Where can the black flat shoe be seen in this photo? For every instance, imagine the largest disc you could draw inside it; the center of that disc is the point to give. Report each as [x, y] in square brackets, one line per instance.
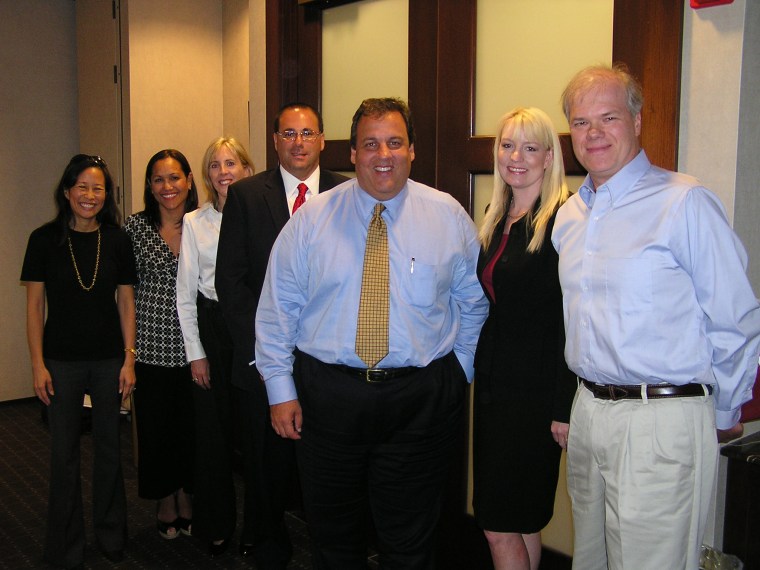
[215, 550]
[246, 550]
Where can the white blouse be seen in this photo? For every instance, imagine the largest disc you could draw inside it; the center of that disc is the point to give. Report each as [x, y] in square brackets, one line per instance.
[196, 272]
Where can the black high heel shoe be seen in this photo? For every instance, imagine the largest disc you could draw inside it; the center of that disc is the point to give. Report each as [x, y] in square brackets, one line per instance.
[215, 550]
[168, 530]
[185, 526]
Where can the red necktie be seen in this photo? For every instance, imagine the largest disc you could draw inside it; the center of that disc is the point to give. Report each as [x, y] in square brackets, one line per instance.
[301, 198]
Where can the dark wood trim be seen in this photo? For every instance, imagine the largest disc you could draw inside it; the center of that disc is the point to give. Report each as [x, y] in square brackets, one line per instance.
[423, 74]
[337, 156]
[647, 36]
[294, 58]
[324, 4]
[456, 99]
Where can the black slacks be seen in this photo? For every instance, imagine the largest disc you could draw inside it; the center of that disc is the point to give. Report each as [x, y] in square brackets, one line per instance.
[164, 414]
[269, 473]
[65, 537]
[214, 513]
[379, 450]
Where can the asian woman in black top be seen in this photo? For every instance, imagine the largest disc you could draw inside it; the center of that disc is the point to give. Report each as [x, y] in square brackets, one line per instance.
[81, 265]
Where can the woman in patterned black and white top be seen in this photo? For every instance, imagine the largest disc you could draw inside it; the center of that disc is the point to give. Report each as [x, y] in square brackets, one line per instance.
[163, 404]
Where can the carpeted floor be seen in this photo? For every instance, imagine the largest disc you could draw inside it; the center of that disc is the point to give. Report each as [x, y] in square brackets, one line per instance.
[24, 461]
[24, 471]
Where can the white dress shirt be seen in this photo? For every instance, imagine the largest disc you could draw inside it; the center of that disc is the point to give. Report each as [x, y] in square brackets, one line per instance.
[654, 286]
[291, 186]
[196, 271]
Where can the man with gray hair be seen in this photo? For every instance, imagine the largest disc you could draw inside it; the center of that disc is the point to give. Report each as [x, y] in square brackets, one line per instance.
[663, 331]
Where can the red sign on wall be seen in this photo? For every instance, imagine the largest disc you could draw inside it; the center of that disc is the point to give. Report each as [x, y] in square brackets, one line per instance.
[707, 3]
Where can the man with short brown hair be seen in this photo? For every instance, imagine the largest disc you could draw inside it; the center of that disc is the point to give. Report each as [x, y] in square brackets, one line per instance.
[366, 334]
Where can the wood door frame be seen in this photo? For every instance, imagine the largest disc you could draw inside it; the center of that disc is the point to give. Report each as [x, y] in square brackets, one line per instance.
[647, 36]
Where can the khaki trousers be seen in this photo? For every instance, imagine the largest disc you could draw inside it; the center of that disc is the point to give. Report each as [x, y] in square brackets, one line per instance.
[640, 475]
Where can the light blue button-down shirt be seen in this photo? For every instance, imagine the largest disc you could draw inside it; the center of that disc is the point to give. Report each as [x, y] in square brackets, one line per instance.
[654, 286]
[311, 293]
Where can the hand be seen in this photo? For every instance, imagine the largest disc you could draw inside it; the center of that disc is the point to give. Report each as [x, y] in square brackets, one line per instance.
[201, 372]
[560, 432]
[287, 419]
[725, 435]
[127, 381]
[43, 384]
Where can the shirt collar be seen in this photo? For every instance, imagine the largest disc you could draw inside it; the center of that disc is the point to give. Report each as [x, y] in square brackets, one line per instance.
[291, 182]
[366, 203]
[619, 184]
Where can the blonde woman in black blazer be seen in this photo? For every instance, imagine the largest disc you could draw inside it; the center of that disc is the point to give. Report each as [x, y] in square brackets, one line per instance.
[523, 388]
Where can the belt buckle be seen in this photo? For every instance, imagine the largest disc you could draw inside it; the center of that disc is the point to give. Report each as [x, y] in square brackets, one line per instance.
[369, 372]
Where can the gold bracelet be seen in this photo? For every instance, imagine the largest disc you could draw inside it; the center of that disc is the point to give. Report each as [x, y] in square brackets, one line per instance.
[132, 350]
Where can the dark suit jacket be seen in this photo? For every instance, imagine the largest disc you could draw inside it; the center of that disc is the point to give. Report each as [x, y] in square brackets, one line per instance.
[254, 213]
[524, 334]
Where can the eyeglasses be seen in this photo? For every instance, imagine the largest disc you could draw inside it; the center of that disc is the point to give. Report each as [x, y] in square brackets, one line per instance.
[307, 135]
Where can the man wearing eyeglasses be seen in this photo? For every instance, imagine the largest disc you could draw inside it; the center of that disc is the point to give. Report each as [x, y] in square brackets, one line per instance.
[256, 210]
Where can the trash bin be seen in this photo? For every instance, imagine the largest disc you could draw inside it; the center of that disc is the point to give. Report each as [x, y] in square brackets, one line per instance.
[712, 559]
[741, 528]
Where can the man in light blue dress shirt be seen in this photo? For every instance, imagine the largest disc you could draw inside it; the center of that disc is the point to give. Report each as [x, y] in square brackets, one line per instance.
[374, 442]
[663, 331]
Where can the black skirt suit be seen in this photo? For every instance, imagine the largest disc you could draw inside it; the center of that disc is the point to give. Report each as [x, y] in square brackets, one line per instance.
[522, 384]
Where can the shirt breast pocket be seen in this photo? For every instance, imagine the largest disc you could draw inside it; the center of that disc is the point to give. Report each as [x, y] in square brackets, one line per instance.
[628, 285]
[422, 280]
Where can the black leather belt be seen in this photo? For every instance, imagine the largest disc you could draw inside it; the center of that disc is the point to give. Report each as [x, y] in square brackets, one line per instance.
[376, 374]
[653, 391]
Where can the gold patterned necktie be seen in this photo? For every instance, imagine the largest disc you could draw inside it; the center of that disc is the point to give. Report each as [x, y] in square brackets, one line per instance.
[301, 198]
[374, 303]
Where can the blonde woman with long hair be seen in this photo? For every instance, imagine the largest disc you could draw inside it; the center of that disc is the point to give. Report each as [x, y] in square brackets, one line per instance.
[523, 388]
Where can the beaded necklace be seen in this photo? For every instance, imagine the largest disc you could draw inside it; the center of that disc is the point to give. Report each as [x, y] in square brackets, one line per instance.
[76, 269]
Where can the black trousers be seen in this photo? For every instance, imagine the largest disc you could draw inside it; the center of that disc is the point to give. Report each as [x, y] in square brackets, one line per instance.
[379, 451]
[65, 537]
[165, 436]
[269, 473]
[214, 513]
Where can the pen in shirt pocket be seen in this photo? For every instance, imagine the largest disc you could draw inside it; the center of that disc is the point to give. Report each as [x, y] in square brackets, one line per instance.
[411, 267]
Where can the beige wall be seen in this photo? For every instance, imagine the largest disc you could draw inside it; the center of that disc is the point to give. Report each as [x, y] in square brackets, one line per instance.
[38, 135]
[175, 84]
[260, 131]
[525, 58]
[367, 42]
[235, 69]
